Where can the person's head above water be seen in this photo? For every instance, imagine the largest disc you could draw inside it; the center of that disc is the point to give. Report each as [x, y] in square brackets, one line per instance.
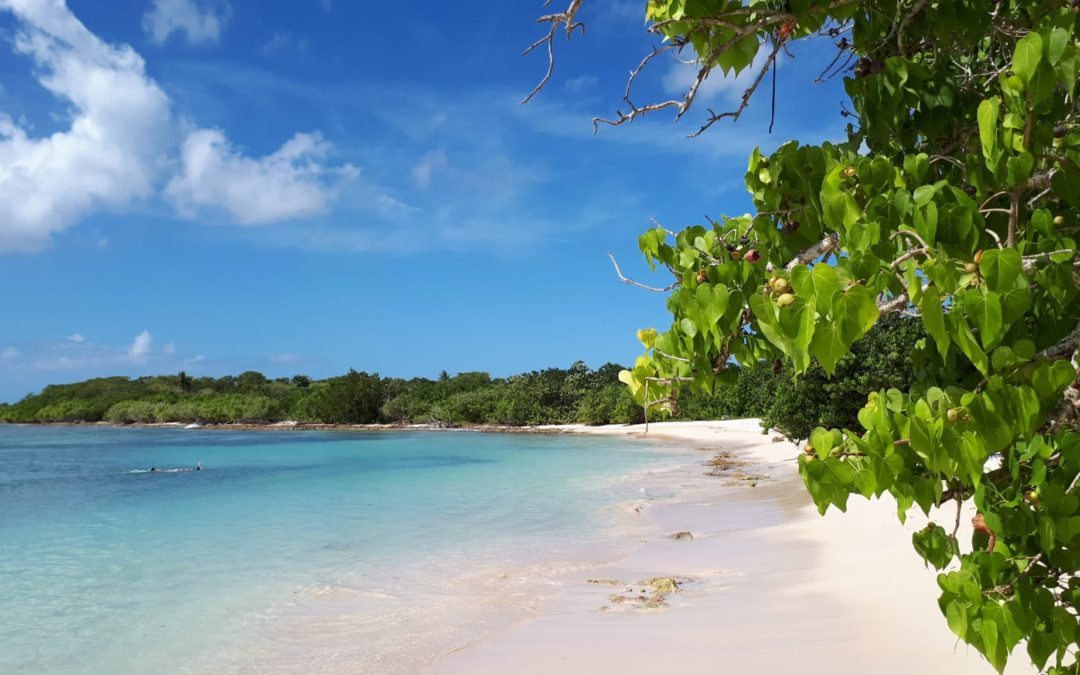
[153, 468]
[198, 467]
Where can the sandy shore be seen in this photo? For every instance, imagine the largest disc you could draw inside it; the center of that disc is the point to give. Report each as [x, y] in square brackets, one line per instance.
[765, 585]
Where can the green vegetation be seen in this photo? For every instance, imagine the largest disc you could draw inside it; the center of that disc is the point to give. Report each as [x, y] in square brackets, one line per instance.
[954, 199]
[553, 396]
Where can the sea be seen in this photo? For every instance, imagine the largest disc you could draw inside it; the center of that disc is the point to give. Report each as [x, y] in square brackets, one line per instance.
[297, 551]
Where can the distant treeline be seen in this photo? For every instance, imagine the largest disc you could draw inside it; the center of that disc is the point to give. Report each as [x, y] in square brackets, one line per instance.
[882, 359]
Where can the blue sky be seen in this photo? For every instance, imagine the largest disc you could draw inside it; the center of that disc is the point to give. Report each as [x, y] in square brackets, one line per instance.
[305, 186]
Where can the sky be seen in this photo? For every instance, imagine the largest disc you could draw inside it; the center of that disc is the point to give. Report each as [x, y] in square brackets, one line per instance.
[308, 186]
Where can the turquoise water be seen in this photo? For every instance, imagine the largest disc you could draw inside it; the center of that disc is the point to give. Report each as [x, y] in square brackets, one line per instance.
[297, 551]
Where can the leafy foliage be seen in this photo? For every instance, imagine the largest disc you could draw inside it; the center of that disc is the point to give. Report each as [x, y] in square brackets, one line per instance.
[544, 397]
[956, 199]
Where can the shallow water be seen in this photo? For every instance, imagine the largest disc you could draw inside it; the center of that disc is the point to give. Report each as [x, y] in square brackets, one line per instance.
[297, 551]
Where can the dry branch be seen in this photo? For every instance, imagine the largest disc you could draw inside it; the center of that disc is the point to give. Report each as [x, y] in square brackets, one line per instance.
[631, 282]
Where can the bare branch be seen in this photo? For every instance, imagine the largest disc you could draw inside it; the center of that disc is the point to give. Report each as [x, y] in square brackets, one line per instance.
[1030, 262]
[897, 304]
[631, 282]
[909, 255]
[671, 356]
[914, 235]
[566, 19]
[824, 247]
[1014, 217]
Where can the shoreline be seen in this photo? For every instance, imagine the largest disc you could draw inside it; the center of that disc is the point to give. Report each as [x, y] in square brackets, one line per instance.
[761, 582]
[327, 426]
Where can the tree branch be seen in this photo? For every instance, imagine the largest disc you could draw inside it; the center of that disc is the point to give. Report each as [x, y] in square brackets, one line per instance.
[1030, 262]
[824, 247]
[897, 304]
[565, 18]
[631, 282]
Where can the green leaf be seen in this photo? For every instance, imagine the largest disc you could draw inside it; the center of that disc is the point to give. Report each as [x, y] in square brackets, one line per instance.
[821, 282]
[712, 300]
[988, 631]
[957, 618]
[1000, 268]
[1027, 57]
[933, 318]
[961, 334]
[828, 346]
[856, 311]
[985, 310]
[1059, 40]
[988, 120]
[934, 546]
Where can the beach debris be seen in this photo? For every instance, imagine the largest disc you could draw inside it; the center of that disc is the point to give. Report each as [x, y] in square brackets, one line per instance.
[605, 582]
[648, 594]
[665, 585]
[679, 536]
[726, 465]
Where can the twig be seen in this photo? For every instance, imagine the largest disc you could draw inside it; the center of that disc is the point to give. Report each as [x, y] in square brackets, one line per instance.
[914, 235]
[1030, 262]
[565, 18]
[631, 282]
[1014, 219]
[671, 356]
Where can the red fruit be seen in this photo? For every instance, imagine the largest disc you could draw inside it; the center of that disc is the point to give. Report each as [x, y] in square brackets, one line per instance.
[752, 256]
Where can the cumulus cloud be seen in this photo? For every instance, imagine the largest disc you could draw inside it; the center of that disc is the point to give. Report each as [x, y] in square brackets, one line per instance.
[76, 338]
[166, 17]
[120, 122]
[122, 134]
[139, 351]
[291, 183]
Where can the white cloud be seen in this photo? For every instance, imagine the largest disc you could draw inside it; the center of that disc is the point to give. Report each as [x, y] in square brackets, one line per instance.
[581, 83]
[426, 166]
[290, 183]
[120, 121]
[166, 17]
[139, 351]
[76, 338]
[169, 349]
[9, 353]
[121, 134]
[284, 41]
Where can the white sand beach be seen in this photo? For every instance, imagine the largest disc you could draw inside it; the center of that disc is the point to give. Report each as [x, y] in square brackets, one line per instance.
[765, 585]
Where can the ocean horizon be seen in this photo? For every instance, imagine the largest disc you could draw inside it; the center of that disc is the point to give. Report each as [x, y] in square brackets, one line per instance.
[325, 551]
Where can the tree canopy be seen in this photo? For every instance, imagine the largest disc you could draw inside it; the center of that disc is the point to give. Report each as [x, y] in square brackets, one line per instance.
[955, 199]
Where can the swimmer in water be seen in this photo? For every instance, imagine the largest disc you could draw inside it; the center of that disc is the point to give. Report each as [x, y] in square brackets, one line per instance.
[153, 469]
[198, 467]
